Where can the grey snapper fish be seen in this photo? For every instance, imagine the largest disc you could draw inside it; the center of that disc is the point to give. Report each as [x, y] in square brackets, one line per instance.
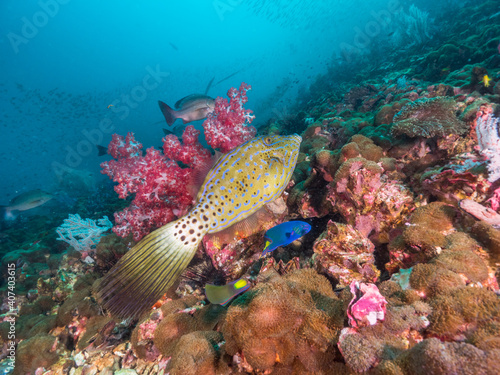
[26, 201]
[238, 185]
[190, 108]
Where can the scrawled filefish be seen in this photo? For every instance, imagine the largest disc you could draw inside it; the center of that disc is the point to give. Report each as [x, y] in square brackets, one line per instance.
[238, 185]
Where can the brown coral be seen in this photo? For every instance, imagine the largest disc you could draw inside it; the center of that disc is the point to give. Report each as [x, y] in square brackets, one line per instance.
[428, 118]
[430, 280]
[433, 357]
[176, 322]
[466, 263]
[37, 351]
[361, 146]
[198, 353]
[292, 317]
[345, 254]
[463, 311]
[423, 237]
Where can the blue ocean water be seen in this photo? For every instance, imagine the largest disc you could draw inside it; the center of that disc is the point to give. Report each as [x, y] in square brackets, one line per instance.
[64, 62]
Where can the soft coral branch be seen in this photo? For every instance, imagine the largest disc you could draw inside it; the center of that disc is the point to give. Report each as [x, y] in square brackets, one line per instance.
[158, 183]
[227, 126]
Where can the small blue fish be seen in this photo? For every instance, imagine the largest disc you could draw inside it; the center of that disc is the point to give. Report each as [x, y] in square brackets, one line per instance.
[222, 294]
[284, 234]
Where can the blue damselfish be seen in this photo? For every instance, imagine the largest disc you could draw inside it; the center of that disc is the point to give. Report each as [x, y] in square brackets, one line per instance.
[284, 234]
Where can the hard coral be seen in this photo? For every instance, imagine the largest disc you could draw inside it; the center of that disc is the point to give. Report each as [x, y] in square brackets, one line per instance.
[423, 237]
[295, 318]
[463, 311]
[178, 321]
[431, 280]
[198, 353]
[142, 337]
[365, 347]
[465, 263]
[361, 146]
[358, 352]
[428, 118]
[80, 304]
[367, 199]
[38, 351]
[433, 357]
[451, 186]
[489, 237]
[345, 254]
[109, 249]
[171, 327]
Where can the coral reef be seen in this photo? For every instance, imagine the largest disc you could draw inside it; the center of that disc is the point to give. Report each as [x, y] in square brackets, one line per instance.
[38, 351]
[83, 234]
[158, 183]
[397, 176]
[432, 356]
[285, 322]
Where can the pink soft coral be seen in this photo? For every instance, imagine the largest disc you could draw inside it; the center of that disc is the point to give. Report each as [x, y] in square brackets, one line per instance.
[227, 126]
[158, 183]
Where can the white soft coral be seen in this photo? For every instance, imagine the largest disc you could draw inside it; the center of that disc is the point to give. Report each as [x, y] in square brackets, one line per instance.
[489, 143]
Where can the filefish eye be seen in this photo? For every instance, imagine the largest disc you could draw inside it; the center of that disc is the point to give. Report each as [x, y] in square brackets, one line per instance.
[267, 141]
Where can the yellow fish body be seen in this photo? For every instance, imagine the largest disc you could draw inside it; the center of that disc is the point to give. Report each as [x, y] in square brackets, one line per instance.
[486, 81]
[239, 184]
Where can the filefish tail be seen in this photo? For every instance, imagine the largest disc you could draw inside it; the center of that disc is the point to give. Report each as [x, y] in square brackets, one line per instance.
[143, 275]
[169, 114]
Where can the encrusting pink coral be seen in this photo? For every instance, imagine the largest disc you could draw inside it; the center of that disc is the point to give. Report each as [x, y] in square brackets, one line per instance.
[367, 199]
[367, 305]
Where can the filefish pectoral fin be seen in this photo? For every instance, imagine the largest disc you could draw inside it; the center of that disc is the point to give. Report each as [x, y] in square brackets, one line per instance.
[276, 159]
